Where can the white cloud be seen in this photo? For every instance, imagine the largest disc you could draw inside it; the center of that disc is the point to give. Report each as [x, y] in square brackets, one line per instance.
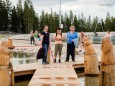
[88, 7]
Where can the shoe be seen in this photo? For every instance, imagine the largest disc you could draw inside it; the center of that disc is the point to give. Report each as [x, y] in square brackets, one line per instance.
[47, 62]
[66, 60]
[80, 50]
[59, 61]
[73, 60]
[44, 63]
[84, 53]
[54, 60]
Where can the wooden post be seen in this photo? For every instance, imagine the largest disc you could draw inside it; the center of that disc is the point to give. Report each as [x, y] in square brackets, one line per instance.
[108, 63]
[90, 64]
[4, 65]
[12, 75]
[10, 43]
[48, 55]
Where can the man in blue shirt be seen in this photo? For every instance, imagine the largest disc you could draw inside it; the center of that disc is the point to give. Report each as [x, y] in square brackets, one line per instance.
[71, 35]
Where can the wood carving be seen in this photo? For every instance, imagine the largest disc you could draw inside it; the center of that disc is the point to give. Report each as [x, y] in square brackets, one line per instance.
[108, 62]
[108, 55]
[4, 65]
[90, 57]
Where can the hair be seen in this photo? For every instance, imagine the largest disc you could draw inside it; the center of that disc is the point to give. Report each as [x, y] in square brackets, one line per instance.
[58, 29]
[72, 26]
[82, 34]
[109, 30]
[45, 26]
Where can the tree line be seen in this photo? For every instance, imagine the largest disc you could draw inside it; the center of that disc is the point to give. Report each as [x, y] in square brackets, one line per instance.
[22, 19]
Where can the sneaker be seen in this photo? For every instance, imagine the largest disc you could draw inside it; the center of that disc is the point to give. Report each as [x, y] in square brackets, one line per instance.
[47, 62]
[80, 50]
[54, 60]
[73, 60]
[44, 63]
[66, 60]
[59, 61]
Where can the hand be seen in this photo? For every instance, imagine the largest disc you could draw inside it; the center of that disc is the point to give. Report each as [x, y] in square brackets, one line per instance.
[49, 46]
[41, 46]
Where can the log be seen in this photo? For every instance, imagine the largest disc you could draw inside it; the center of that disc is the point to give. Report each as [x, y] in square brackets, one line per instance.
[108, 63]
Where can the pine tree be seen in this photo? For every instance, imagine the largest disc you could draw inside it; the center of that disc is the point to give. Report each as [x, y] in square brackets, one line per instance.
[108, 21]
[14, 21]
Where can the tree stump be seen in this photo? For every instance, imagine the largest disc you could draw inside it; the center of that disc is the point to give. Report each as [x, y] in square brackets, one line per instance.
[90, 64]
[108, 63]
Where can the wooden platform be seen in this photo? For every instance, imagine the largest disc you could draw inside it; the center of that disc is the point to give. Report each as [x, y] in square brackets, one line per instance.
[55, 75]
[27, 69]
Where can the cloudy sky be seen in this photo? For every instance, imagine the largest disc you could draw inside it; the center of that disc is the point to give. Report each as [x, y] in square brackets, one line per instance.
[93, 7]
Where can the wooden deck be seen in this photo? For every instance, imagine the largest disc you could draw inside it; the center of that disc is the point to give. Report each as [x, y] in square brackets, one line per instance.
[58, 74]
[55, 75]
[27, 69]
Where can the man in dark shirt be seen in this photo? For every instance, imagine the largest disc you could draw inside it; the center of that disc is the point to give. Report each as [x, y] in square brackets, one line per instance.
[45, 43]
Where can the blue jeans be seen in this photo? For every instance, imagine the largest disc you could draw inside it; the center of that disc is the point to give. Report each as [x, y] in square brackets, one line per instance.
[45, 46]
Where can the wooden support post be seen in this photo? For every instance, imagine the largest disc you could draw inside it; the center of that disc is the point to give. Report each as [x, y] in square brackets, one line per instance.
[91, 70]
[12, 75]
[90, 64]
[10, 43]
[108, 63]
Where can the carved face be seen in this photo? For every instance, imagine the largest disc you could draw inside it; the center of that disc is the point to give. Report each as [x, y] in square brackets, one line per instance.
[4, 48]
[106, 45]
[86, 41]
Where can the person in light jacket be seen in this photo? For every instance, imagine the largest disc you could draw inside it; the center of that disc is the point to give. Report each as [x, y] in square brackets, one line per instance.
[71, 35]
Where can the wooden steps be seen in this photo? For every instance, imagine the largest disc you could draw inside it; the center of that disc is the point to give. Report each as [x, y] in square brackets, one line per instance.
[55, 75]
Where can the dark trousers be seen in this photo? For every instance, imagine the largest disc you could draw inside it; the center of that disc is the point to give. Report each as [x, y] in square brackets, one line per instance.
[45, 46]
[70, 51]
[32, 39]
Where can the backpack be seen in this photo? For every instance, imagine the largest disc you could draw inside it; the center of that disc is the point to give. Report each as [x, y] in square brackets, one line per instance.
[40, 53]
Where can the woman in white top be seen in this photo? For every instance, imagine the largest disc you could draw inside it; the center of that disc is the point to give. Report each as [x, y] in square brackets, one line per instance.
[58, 44]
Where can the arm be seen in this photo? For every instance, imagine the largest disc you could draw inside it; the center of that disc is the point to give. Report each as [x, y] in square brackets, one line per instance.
[76, 35]
[57, 39]
[49, 41]
[41, 37]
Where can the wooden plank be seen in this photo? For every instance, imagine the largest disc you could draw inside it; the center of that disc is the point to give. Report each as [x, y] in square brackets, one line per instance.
[55, 75]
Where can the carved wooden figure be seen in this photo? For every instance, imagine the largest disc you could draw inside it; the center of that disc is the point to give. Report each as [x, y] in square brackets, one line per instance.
[90, 64]
[108, 63]
[5, 79]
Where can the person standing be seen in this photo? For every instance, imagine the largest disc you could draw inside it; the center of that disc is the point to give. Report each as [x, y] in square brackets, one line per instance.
[45, 43]
[109, 34]
[71, 35]
[36, 36]
[58, 44]
[80, 39]
[32, 40]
